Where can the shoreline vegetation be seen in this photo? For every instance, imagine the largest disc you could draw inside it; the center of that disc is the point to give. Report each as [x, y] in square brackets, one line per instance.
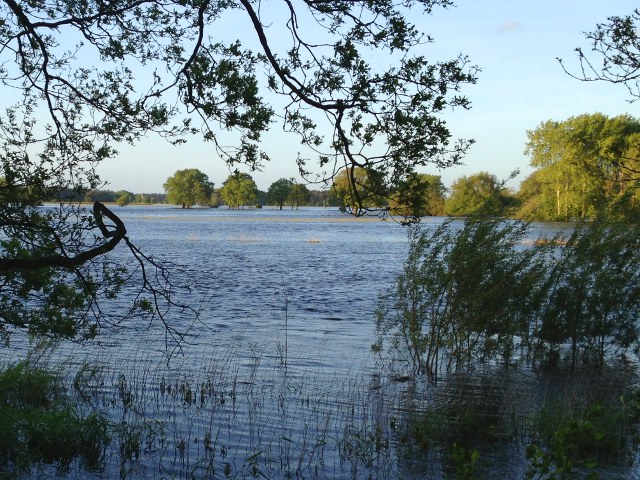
[495, 422]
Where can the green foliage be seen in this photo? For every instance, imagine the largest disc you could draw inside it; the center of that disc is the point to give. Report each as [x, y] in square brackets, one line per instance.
[124, 198]
[478, 194]
[22, 384]
[189, 187]
[465, 293]
[594, 292]
[38, 424]
[572, 436]
[421, 195]
[587, 167]
[238, 190]
[360, 189]
[465, 462]
[278, 192]
[469, 291]
[299, 195]
[48, 301]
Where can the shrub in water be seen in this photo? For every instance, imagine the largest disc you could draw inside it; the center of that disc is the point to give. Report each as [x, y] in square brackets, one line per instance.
[593, 298]
[465, 293]
[39, 424]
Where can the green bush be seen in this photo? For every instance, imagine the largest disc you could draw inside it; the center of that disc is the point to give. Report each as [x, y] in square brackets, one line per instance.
[593, 295]
[467, 291]
[39, 423]
[473, 293]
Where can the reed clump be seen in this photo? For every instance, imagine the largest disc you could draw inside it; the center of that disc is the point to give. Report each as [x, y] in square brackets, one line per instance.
[39, 424]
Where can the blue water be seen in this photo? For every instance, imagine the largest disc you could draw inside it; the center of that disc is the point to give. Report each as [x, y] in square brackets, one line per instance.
[276, 352]
[250, 270]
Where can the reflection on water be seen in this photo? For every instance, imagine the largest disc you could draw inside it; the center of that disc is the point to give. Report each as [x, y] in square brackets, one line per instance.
[499, 411]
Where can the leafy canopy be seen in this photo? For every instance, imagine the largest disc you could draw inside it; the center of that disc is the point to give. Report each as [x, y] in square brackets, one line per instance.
[421, 195]
[239, 190]
[78, 78]
[478, 194]
[189, 187]
[279, 191]
[165, 67]
[587, 166]
[299, 195]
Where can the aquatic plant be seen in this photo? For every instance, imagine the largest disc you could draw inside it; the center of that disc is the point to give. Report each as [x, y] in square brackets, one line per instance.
[39, 424]
[591, 421]
[466, 293]
[593, 295]
[474, 293]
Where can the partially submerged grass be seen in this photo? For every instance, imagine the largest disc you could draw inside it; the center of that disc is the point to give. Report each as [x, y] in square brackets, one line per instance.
[40, 425]
[518, 423]
[238, 413]
[592, 422]
[243, 414]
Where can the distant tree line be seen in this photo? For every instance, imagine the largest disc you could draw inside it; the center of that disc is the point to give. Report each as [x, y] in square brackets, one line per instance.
[191, 187]
[120, 197]
[587, 166]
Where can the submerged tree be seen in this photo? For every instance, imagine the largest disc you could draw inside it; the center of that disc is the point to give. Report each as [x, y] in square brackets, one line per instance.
[238, 190]
[593, 300]
[465, 293]
[78, 78]
[299, 195]
[279, 191]
[189, 187]
[472, 293]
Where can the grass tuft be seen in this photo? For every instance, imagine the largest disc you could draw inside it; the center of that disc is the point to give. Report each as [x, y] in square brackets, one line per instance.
[40, 425]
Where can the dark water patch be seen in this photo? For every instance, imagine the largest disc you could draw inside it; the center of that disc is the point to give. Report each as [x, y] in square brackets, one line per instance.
[490, 419]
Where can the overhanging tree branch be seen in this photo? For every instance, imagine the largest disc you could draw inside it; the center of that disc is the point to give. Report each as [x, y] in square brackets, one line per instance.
[63, 261]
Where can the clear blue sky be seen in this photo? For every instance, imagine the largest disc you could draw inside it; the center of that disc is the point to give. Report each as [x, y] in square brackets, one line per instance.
[515, 42]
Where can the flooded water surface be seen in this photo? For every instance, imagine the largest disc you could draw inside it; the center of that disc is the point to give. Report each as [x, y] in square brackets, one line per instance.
[274, 377]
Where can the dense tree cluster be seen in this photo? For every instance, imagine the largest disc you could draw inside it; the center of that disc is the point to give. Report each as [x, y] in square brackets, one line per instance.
[478, 194]
[586, 166]
[109, 196]
[287, 191]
